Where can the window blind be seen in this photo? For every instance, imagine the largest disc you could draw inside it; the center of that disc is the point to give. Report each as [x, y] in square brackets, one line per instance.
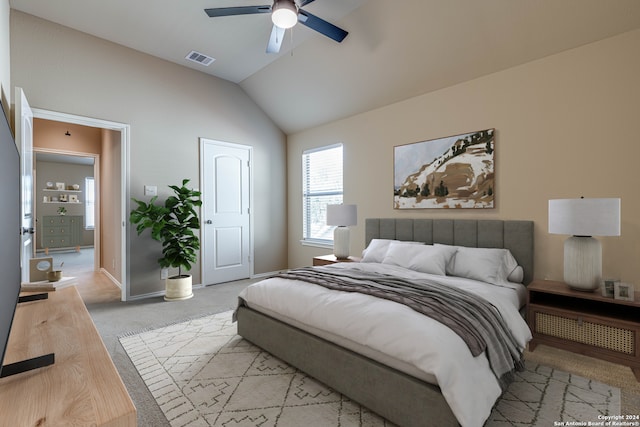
[321, 185]
[89, 203]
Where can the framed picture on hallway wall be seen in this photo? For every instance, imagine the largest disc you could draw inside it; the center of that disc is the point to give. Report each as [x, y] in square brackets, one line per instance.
[452, 172]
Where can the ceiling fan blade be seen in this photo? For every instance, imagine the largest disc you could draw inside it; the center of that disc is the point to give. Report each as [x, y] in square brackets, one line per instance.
[242, 10]
[320, 25]
[303, 3]
[275, 40]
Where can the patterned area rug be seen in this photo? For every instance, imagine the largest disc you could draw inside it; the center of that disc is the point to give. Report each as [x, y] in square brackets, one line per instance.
[202, 374]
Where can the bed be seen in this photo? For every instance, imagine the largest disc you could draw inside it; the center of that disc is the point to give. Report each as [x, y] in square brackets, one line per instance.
[401, 394]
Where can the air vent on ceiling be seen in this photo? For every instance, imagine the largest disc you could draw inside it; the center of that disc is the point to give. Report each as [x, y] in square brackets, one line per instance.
[200, 58]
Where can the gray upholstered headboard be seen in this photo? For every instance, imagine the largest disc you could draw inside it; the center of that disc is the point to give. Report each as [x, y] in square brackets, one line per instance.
[517, 236]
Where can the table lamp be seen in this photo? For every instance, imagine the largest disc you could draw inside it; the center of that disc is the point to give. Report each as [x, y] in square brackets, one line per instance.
[583, 218]
[342, 216]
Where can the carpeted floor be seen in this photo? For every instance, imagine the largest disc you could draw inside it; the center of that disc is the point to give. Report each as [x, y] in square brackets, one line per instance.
[70, 259]
[115, 318]
[589, 367]
[201, 373]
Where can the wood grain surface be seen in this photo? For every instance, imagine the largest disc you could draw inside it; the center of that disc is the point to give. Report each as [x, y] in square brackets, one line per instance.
[81, 388]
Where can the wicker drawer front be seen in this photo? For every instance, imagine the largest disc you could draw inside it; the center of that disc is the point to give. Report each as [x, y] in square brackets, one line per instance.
[596, 334]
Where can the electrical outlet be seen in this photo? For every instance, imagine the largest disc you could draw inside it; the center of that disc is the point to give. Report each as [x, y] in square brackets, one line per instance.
[164, 273]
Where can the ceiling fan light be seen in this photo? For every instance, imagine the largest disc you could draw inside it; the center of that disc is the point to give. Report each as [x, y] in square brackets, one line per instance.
[285, 13]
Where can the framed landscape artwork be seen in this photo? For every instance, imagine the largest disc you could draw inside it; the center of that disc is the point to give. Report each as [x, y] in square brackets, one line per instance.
[452, 172]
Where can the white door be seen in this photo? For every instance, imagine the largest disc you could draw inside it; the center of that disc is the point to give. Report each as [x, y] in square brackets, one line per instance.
[226, 215]
[24, 140]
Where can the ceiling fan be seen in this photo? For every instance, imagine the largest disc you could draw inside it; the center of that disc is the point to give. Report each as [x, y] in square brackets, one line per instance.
[284, 14]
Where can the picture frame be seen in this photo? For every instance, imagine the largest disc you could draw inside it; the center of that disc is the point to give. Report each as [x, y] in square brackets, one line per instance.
[608, 287]
[73, 198]
[63, 198]
[60, 186]
[624, 291]
[453, 172]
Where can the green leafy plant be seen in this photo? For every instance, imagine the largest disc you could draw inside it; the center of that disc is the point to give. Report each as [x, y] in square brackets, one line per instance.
[173, 225]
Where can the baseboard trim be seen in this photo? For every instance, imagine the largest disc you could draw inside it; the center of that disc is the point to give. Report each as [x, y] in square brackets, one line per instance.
[110, 277]
[144, 296]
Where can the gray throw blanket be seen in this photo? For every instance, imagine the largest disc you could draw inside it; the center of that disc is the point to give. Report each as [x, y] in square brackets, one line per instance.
[474, 319]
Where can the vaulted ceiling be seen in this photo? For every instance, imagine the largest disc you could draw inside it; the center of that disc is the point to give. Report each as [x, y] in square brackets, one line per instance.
[395, 49]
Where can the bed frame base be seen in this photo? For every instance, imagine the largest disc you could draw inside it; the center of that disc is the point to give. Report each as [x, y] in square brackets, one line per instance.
[398, 397]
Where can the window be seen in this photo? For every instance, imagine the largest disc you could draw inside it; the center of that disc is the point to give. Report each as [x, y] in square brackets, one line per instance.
[89, 203]
[321, 186]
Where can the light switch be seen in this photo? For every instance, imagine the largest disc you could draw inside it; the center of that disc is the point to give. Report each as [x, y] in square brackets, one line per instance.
[150, 190]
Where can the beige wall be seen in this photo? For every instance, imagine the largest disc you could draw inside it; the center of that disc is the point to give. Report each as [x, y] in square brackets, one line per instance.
[168, 108]
[49, 134]
[566, 126]
[110, 204]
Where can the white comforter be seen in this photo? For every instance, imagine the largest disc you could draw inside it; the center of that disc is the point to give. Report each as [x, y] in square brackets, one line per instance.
[396, 335]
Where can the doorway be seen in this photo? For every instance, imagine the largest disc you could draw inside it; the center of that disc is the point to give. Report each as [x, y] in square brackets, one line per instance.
[112, 178]
[65, 186]
[226, 249]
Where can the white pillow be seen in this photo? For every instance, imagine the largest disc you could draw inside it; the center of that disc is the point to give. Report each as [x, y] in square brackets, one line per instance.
[490, 265]
[517, 275]
[377, 249]
[452, 260]
[510, 268]
[423, 258]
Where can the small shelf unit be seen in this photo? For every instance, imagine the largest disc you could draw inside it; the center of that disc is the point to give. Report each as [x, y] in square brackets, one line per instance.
[61, 202]
[585, 323]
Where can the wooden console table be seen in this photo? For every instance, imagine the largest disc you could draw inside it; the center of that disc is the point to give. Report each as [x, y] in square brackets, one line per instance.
[81, 388]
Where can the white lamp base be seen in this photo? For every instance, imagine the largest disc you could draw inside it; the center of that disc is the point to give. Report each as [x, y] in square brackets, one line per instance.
[341, 242]
[582, 263]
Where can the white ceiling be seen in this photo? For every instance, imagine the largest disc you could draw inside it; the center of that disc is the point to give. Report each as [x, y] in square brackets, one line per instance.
[395, 49]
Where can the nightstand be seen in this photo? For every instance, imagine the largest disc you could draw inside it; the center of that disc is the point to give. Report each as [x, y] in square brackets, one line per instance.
[331, 259]
[585, 323]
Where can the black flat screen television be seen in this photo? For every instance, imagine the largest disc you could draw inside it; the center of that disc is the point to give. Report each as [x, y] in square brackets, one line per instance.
[10, 244]
[10, 226]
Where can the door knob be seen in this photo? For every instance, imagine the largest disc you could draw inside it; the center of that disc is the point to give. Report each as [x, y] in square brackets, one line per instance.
[209, 221]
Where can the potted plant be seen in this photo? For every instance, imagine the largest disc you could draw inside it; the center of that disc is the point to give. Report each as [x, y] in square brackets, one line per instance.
[173, 224]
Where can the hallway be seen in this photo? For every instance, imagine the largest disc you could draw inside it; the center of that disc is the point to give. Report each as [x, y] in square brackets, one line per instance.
[93, 286]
